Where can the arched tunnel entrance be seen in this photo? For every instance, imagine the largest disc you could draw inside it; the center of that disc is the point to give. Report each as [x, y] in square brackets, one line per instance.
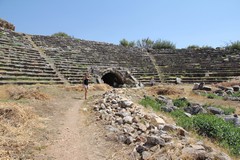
[112, 79]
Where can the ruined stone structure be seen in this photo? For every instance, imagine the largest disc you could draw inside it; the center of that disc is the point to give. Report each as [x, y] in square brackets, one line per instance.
[6, 25]
[32, 59]
[200, 65]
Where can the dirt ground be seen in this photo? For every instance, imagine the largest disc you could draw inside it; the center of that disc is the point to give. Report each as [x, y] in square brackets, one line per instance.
[71, 129]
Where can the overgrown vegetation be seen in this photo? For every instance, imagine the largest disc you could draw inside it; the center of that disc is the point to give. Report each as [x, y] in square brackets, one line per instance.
[211, 96]
[61, 34]
[236, 94]
[145, 43]
[127, 43]
[226, 110]
[193, 47]
[163, 44]
[1, 34]
[233, 45]
[181, 102]
[148, 43]
[207, 125]
[151, 102]
[214, 127]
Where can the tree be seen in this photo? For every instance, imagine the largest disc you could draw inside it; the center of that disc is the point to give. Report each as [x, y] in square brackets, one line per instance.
[163, 44]
[145, 43]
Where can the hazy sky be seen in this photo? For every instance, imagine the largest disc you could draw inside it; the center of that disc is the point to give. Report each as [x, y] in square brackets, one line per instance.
[184, 22]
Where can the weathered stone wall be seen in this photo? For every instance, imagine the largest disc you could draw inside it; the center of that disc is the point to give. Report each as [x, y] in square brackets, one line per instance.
[25, 58]
[6, 25]
[199, 65]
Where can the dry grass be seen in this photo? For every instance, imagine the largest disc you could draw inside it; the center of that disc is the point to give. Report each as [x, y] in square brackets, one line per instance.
[229, 83]
[19, 92]
[17, 124]
[92, 87]
[165, 90]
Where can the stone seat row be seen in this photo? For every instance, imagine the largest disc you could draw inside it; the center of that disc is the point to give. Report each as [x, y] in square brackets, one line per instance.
[17, 62]
[30, 82]
[27, 70]
[30, 74]
[28, 67]
[29, 78]
[25, 60]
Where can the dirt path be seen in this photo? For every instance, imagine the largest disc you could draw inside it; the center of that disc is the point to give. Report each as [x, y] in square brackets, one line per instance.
[68, 143]
[80, 136]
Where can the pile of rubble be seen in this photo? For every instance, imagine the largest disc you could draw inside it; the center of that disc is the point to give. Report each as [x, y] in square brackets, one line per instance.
[226, 92]
[148, 133]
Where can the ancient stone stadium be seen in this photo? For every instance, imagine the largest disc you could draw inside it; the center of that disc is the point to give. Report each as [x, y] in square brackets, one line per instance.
[36, 59]
[142, 104]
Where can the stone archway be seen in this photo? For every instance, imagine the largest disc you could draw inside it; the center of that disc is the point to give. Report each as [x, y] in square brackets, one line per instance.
[112, 79]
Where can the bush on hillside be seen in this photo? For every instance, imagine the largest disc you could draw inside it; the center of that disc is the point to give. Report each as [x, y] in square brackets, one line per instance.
[127, 43]
[163, 44]
[61, 34]
[193, 47]
[151, 102]
[181, 102]
[233, 45]
[145, 43]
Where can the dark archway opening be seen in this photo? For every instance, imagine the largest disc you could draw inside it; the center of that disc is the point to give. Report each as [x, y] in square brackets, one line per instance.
[112, 80]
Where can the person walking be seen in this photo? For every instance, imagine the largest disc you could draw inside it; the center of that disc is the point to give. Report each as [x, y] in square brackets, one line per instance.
[85, 84]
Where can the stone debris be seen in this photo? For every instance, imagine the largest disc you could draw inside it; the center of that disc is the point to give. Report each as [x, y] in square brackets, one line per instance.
[149, 134]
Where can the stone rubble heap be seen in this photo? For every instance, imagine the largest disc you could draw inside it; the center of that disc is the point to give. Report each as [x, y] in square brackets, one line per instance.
[226, 92]
[148, 133]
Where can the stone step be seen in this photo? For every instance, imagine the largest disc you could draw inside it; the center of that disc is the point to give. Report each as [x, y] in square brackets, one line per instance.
[22, 63]
[31, 74]
[29, 78]
[30, 82]
[27, 67]
[3, 68]
[39, 60]
[195, 81]
[219, 74]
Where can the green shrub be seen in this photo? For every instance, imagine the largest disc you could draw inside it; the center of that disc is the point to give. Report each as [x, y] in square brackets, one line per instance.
[1, 34]
[181, 102]
[204, 124]
[123, 42]
[145, 43]
[61, 34]
[127, 43]
[193, 47]
[182, 120]
[163, 44]
[207, 47]
[226, 110]
[236, 94]
[150, 102]
[208, 125]
[234, 45]
[225, 133]
[211, 96]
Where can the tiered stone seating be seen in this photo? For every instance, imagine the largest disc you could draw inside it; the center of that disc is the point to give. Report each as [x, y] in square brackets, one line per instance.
[20, 63]
[26, 59]
[73, 57]
[204, 65]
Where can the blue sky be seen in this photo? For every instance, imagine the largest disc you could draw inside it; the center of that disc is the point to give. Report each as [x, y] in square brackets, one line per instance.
[183, 22]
